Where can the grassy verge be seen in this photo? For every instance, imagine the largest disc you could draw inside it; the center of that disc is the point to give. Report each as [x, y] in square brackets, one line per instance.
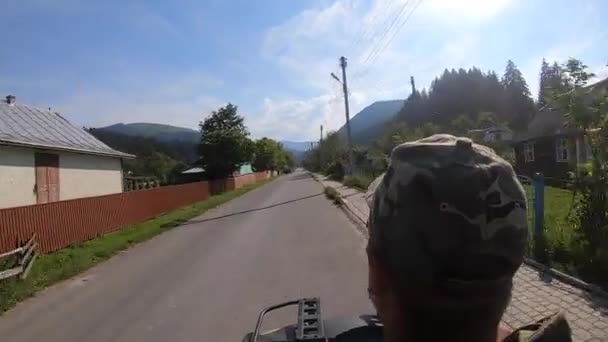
[358, 180]
[558, 202]
[332, 194]
[69, 261]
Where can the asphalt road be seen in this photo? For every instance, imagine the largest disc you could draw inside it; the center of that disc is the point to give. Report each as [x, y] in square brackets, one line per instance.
[207, 280]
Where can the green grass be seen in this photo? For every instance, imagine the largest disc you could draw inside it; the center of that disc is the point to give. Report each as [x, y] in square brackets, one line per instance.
[67, 262]
[558, 203]
[358, 180]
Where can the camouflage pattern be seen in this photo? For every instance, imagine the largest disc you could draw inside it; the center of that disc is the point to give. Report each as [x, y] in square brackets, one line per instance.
[553, 328]
[448, 212]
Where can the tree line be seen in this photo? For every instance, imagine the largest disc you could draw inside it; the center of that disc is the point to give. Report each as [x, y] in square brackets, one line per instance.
[224, 147]
[460, 102]
[162, 160]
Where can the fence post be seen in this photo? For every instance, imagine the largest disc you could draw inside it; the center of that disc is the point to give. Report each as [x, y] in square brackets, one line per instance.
[538, 183]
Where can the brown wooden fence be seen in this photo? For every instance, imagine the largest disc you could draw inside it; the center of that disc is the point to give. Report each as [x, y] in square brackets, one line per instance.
[63, 223]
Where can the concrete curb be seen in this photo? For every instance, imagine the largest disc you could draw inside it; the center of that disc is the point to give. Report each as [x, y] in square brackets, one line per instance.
[568, 279]
[353, 211]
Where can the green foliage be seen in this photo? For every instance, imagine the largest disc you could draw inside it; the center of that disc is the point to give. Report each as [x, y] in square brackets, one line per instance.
[224, 145]
[517, 98]
[335, 171]
[462, 124]
[550, 81]
[65, 263]
[266, 153]
[457, 97]
[332, 149]
[159, 132]
[270, 155]
[586, 110]
[359, 180]
[153, 158]
[332, 194]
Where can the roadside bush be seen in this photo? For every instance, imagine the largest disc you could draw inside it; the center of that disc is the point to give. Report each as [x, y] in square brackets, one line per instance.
[358, 180]
[332, 194]
[335, 171]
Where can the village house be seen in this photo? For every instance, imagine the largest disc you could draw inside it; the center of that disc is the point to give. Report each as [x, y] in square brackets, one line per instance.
[551, 148]
[44, 158]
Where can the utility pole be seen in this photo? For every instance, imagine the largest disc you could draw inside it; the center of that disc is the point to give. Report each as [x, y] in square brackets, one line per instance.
[343, 64]
[321, 139]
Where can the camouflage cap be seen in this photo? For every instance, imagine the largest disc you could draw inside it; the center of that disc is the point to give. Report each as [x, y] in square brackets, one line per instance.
[448, 213]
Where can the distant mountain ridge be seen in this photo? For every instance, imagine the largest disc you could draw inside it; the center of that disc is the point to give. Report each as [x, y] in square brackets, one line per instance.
[301, 146]
[368, 124]
[156, 131]
[186, 138]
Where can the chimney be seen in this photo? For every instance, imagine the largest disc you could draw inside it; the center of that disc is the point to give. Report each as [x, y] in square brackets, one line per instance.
[10, 99]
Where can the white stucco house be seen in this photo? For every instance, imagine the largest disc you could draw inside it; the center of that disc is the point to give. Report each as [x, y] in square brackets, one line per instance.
[44, 158]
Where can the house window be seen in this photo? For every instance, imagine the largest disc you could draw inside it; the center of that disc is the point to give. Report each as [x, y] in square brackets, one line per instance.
[528, 152]
[561, 150]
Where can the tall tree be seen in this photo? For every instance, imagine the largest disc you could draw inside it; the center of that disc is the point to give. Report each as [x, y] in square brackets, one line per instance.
[544, 76]
[586, 108]
[518, 104]
[266, 154]
[551, 81]
[224, 145]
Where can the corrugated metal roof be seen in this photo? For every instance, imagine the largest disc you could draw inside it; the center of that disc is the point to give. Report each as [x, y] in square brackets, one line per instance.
[22, 125]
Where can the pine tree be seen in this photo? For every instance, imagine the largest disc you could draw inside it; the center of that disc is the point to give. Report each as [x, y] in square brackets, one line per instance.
[545, 71]
[518, 104]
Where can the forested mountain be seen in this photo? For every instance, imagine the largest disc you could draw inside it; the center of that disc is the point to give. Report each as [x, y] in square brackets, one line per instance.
[153, 158]
[368, 123]
[457, 102]
[468, 93]
[156, 131]
[176, 142]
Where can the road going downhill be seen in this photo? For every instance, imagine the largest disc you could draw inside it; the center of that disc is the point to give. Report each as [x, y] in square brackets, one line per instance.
[208, 279]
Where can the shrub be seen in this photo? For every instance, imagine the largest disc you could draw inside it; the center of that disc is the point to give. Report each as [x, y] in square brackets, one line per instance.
[332, 194]
[358, 180]
[335, 171]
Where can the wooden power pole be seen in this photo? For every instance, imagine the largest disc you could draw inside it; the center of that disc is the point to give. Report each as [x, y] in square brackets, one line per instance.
[351, 161]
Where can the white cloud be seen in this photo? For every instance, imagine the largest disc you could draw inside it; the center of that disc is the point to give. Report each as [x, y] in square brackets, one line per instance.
[307, 47]
[463, 11]
[295, 119]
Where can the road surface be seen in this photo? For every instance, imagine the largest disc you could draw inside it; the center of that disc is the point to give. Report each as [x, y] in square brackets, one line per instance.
[207, 280]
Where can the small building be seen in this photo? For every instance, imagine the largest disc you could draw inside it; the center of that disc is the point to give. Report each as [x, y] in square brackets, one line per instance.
[549, 148]
[494, 134]
[44, 158]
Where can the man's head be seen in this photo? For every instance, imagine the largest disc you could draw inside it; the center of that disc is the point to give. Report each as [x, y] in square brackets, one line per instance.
[448, 229]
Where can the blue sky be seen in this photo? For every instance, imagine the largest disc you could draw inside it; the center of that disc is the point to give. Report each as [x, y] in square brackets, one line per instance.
[103, 62]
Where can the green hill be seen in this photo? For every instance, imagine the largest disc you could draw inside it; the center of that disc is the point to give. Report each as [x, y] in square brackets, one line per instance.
[155, 131]
[369, 123]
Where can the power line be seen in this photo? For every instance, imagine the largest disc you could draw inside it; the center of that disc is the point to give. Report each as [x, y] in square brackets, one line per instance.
[392, 24]
[389, 41]
[372, 58]
[367, 32]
